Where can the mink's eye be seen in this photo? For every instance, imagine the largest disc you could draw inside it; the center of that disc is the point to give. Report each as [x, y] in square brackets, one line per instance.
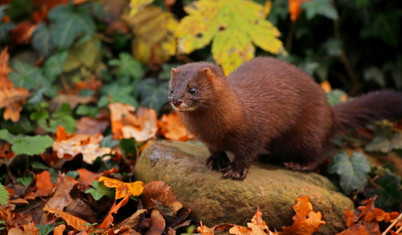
[192, 90]
[171, 90]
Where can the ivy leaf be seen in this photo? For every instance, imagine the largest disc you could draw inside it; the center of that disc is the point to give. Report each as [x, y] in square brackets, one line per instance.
[82, 54]
[31, 145]
[53, 66]
[99, 190]
[4, 195]
[320, 7]
[152, 95]
[388, 195]
[384, 140]
[127, 66]
[45, 229]
[41, 39]
[63, 116]
[352, 171]
[69, 24]
[231, 28]
[154, 40]
[5, 27]
[28, 76]
[115, 92]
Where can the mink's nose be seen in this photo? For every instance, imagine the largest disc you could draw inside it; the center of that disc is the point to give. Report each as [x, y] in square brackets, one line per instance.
[176, 102]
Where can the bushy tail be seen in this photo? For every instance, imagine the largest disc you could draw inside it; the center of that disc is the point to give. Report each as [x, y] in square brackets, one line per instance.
[367, 108]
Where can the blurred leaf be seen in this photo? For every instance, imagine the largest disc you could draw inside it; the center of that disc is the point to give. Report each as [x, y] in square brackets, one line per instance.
[388, 195]
[127, 66]
[41, 39]
[99, 190]
[138, 5]
[4, 195]
[109, 142]
[333, 47]
[25, 180]
[384, 140]
[352, 171]
[82, 54]
[45, 229]
[152, 95]
[69, 24]
[39, 166]
[28, 76]
[53, 66]
[87, 110]
[115, 92]
[384, 26]
[376, 75]
[232, 37]
[128, 147]
[63, 117]
[5, 28]
[19, 10]
[320, 7]
[336, 96]
[154, 40]
[31, 145]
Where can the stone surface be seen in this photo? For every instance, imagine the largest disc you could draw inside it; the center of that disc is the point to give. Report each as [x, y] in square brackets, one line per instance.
[215, 200]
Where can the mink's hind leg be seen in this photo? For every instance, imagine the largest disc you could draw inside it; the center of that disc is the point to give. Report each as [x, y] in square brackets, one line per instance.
[238, 169]
[310, 162]
[218, 160]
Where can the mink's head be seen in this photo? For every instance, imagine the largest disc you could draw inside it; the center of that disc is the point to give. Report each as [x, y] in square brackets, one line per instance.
[192, 86]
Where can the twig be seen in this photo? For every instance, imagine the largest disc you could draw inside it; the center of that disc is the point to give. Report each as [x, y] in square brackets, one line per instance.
[392, 225]
[290, 37]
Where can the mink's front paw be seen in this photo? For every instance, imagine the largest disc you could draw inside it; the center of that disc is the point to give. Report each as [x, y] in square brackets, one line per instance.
[236, 174]
[218, 161]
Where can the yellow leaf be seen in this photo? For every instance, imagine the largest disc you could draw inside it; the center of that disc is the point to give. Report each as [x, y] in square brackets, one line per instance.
[123, 189]
[232, 26]
[154, 41]
[137, 5]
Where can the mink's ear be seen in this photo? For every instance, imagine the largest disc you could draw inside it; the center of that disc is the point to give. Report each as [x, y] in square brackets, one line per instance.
[174, 71]
[207, 73]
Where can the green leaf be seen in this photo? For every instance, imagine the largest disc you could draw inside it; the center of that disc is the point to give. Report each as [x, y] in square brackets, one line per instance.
[73, 174]
[320, 7]
[5, 29]
[118, 93]
[334, 96]
[53, 66]
[6, 136]
[128, 147]
[63, 116]
[152, 95]
[374, 74]
[4, 195]
[31, 145]
[352, 171]
[99, 190]
[41, 40]
[25, 180]
[69, 24]
[39, 165]
[45, 229]
[127, 66]
[108, 141]
[20, 9]
[28, 76]
[84, 54]
[87, 110]
[388, 195]
[384, 140]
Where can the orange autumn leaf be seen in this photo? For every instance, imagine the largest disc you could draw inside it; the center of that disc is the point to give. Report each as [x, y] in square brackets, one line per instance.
[11, 98]
[326, 86]
[74, 221]
[22, 33]
[173, 129]
[58, 230]
[25, 229]
[257, 227]
[86, 177]
[123, 189]
[141, 125]
[158, 223]
[305, 221]
[294, 8]
[5, 150]
[161, 192]
[204, 230]
[61, 133]
[43, 186]
[108, 221]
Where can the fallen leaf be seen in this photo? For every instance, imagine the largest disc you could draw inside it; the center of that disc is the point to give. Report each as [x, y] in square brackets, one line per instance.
[22, 33]
[131, 221]
[204, 230]
[74, 221]
[257, 226]
[108, 221]
[91, 126]
[86, 176]
[326, 86]
[5, 150]
[44, 186]
[125, 124]
[157, 224]
[305, 221]
[61, 197]
[173, 129]
[161, 192]
[123, 189]
[58, 230]
[72, 99]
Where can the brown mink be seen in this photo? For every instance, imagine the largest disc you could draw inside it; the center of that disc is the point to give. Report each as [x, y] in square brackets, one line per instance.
[267, 103]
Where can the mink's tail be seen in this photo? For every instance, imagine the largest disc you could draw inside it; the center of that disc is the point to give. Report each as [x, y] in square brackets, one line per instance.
[374, 106]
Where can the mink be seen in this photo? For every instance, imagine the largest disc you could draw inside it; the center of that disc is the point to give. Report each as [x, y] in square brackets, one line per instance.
[267, 103]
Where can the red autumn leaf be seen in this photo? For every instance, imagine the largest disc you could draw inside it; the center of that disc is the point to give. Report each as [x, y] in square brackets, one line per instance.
[172, 128]
[108, 221]
[43, 186]
[74, 221]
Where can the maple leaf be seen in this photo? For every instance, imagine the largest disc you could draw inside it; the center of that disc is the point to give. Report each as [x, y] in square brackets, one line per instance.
[123, 189]
[125, 124]
[305, 221]
[233, 26]
[173, 129]
[74, 221]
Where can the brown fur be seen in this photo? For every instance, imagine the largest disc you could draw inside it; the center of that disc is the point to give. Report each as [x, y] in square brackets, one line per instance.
[265, 103]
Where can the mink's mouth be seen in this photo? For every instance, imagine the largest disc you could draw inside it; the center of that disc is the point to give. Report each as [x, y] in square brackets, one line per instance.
[182, 107]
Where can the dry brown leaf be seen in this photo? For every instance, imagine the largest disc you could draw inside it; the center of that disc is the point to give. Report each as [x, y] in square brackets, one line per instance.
[305, 221]
[123, 189]
[108, 221]
[132, 221]
[157, 223]
[5, 150]
[161, 192]
[204, 230]
[91, 126]
[72, 99]
[125, 124]
[22, 33]
[61, 196]
[74, 221]
[173, 129]
[43, 186]
[257, 227]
